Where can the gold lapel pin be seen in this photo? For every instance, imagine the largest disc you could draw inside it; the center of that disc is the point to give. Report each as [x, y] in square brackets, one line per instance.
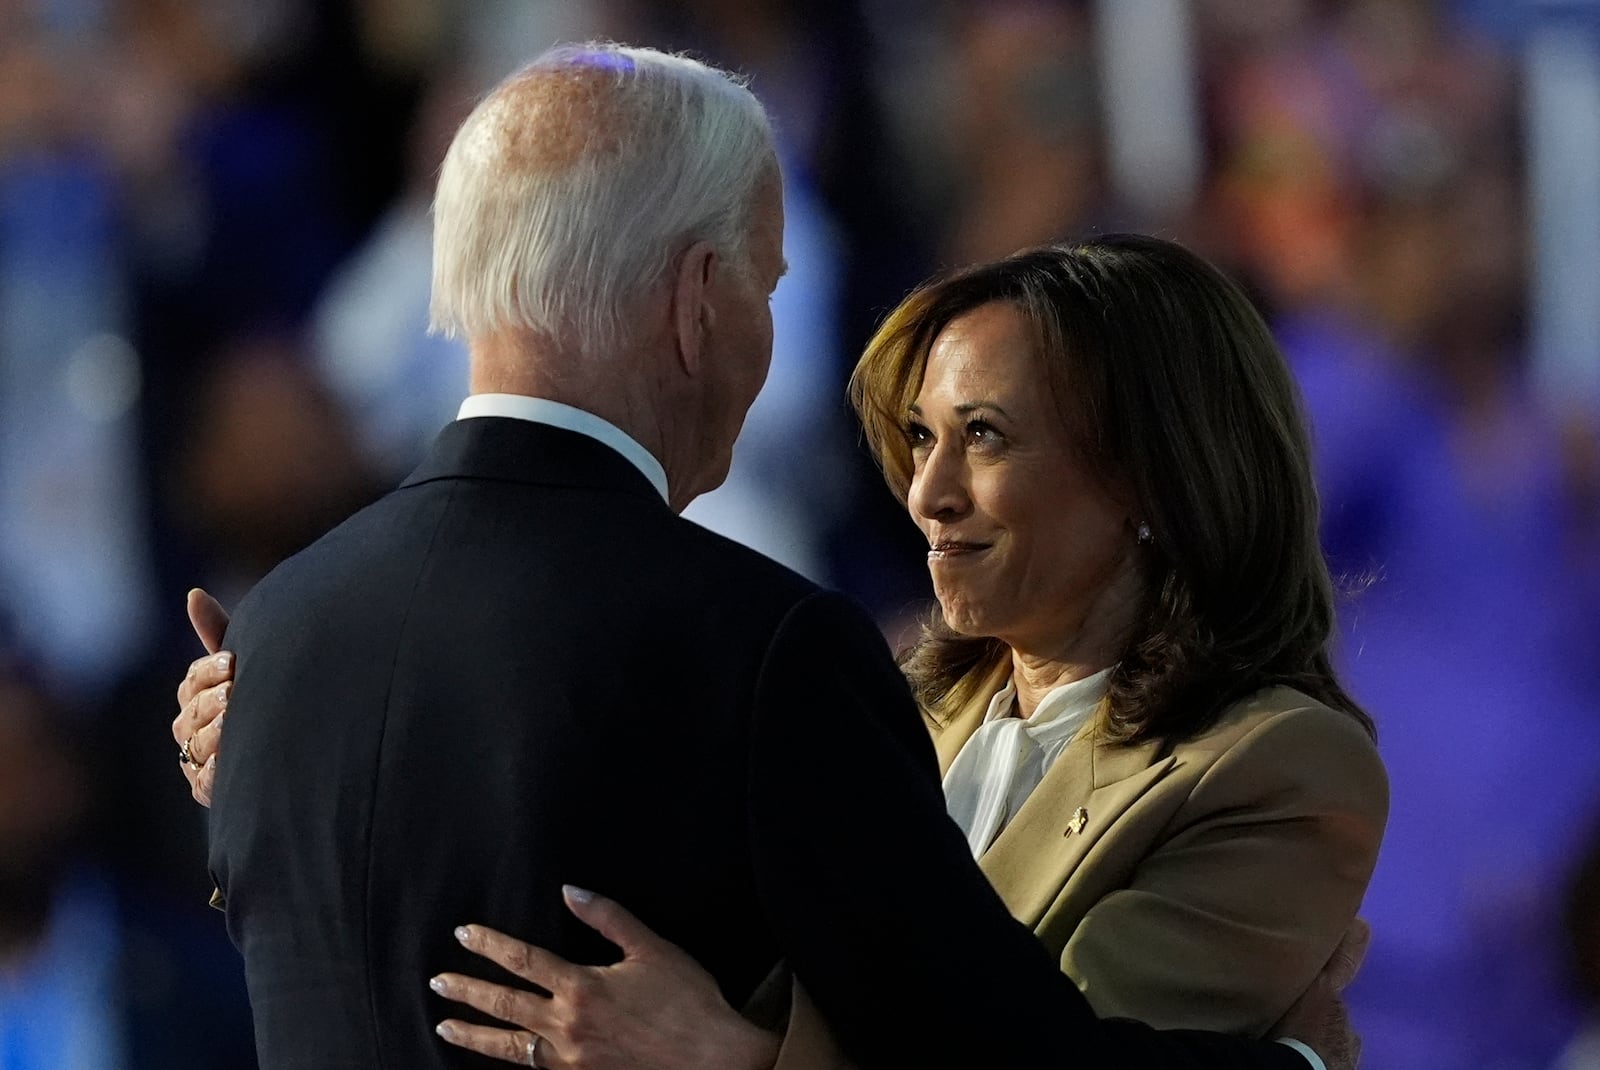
[1080, 818]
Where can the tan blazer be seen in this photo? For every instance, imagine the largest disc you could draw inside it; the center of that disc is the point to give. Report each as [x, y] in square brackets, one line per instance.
[1204, 887]
[1201, 887]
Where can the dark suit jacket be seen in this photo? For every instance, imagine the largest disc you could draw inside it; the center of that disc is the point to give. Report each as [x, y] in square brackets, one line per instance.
[521, 669]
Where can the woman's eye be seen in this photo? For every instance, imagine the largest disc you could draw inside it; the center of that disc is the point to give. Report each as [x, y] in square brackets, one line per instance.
[917, 435]
[982, 432]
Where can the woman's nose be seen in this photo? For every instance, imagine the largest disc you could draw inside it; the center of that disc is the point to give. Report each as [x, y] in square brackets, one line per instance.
[938, 486]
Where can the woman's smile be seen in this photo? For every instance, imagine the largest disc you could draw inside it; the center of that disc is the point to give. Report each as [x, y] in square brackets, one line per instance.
[956, 550]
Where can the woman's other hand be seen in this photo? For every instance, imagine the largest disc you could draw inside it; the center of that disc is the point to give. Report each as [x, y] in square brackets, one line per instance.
[1320, 1019]
[203, 698]
[654, 1010]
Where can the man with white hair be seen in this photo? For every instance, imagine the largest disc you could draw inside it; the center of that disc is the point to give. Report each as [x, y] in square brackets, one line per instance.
[523, 668]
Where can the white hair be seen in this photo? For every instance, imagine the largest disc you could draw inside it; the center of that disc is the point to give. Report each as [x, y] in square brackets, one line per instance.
[570, 188]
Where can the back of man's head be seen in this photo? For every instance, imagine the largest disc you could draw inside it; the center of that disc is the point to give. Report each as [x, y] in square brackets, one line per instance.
[570, 188]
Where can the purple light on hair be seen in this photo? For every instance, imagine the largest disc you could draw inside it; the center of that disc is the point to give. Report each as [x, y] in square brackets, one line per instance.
[615, 61]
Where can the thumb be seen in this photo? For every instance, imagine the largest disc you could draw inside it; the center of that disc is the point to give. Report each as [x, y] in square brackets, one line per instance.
[608, 918]
[1347, 958]
[208, 618]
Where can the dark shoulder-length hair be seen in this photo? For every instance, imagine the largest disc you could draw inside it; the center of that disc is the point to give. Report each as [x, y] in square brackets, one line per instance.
[1172, 387]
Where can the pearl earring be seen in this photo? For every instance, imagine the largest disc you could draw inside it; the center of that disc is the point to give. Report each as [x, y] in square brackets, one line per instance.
[1143, 532]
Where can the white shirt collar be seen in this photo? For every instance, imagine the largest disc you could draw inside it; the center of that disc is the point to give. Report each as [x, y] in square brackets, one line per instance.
[568, 418]
[1061, 712]
[1007, 757]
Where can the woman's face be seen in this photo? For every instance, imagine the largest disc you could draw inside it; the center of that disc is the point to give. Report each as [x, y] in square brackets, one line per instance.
[1025, 544]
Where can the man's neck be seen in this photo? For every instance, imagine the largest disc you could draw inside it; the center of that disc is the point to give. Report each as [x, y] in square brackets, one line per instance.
[521, 363]
[624, 391]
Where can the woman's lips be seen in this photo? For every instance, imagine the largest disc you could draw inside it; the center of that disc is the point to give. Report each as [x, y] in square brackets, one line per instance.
[950, 550]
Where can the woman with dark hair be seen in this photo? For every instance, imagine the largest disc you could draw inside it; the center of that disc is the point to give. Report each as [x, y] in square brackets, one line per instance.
[1127, 680]
[1168, 402]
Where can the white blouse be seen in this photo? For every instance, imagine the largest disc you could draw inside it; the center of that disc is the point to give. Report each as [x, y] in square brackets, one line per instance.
[1006, 758]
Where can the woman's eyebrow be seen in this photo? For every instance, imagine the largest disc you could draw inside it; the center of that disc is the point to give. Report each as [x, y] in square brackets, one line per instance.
[965, 408]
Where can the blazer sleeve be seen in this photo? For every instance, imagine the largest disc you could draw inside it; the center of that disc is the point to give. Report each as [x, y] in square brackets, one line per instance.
[1246, 896]
[906, 952]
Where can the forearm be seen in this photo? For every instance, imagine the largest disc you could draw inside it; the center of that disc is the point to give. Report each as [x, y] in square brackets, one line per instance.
[862, 872]
[808, 1044]
[738, 1044]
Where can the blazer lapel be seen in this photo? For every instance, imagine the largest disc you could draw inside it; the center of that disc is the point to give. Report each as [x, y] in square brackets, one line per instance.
[950, 737]
[1088, 788]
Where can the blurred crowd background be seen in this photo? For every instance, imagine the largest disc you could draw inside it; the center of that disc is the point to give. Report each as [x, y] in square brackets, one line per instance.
[214, 259]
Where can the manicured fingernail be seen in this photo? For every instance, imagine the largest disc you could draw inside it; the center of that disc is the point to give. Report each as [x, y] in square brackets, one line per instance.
[463, 933]
[576, 894]
[225, 661]
[211, 764]
[438, 984]
[446, 1030]
[224, 693]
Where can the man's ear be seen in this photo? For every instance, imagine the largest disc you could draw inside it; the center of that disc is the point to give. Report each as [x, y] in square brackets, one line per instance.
[692, 314]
